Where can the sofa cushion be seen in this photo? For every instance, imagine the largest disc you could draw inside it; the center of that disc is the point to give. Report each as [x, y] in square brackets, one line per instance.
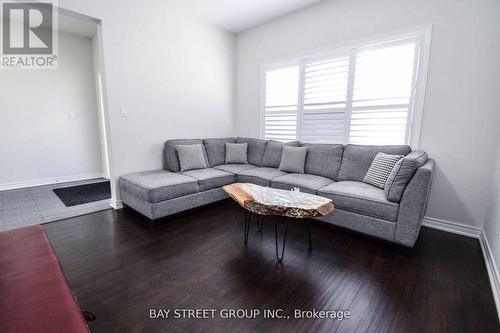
[210, 178]
[216, 150]
[235, 168]
[259, 176]
[293, 159]
[402, 173]
[357, 159]
[323, 160]
[191, 157]
[236, 153]
[256, 148]
[272, 154]
[306, 183]
[362, 198]
[171, 156]
[158, 185]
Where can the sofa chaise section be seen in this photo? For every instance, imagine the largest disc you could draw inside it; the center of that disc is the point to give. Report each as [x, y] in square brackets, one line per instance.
[160, 193]
[158, 185]
[169, 207]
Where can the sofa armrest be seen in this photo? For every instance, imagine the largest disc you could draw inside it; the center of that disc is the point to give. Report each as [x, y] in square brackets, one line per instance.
[413, 204]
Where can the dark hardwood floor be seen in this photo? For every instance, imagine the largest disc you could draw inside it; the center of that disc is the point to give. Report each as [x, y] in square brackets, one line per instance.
[119, 267]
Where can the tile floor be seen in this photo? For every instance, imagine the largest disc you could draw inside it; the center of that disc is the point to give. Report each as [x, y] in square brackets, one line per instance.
[35, 205]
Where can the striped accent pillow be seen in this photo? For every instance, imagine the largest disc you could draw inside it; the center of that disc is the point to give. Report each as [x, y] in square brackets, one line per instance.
[380, 169]
[293, 159]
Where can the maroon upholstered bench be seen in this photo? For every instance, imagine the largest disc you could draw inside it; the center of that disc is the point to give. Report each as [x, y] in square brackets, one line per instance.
[34, 294]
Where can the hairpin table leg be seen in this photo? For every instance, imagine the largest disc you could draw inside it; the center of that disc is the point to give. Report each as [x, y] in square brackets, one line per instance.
[309, 233]
[278, 257]
[260, 222]
[247, 226]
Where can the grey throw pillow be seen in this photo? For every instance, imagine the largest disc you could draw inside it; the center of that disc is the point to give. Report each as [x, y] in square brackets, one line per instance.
[191, 157]
[402, 173]
[272, 154]
[293, 159]
[236, 153]
[380, 169]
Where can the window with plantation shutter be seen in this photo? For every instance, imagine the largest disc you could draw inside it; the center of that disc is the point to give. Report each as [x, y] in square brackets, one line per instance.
[382, 93]
[360, 95]
[281, 103]
[324, 102]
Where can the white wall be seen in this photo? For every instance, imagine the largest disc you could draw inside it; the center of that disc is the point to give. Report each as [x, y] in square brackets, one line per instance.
[38, 139]
[461, 111]
[174, 75]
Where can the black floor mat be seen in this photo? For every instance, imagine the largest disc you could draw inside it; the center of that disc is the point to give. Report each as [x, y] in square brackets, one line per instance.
[82, 194]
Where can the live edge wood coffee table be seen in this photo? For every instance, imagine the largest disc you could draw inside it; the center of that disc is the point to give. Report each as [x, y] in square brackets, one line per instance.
[263, 201]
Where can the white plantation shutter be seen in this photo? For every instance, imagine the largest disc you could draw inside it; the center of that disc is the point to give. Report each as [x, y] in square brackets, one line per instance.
[281, 103]
[324, 101]
[382, 94]
[362, 96]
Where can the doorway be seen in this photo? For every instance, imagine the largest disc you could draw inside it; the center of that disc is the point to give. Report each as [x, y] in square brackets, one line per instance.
[54, 134]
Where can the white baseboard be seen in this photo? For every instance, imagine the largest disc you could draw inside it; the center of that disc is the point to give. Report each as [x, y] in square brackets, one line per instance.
[49, 181]
[116, 204]
[492, 270]
[453, 227]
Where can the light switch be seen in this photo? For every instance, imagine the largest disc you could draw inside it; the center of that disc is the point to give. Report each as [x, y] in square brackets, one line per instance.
[71, 115]
[123, 111]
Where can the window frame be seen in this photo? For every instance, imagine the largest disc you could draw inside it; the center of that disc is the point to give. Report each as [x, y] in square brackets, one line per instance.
[416, 105]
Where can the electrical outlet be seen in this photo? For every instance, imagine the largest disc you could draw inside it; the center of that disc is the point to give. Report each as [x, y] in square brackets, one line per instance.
[71, 115]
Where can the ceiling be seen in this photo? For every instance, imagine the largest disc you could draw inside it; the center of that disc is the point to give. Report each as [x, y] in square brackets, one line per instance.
[232, 15]
[239, 15]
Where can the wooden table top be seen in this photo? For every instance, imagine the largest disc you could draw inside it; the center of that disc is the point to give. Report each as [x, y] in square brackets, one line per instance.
[277, 202]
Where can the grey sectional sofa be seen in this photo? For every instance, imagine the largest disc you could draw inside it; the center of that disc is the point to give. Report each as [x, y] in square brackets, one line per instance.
[331, 170]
